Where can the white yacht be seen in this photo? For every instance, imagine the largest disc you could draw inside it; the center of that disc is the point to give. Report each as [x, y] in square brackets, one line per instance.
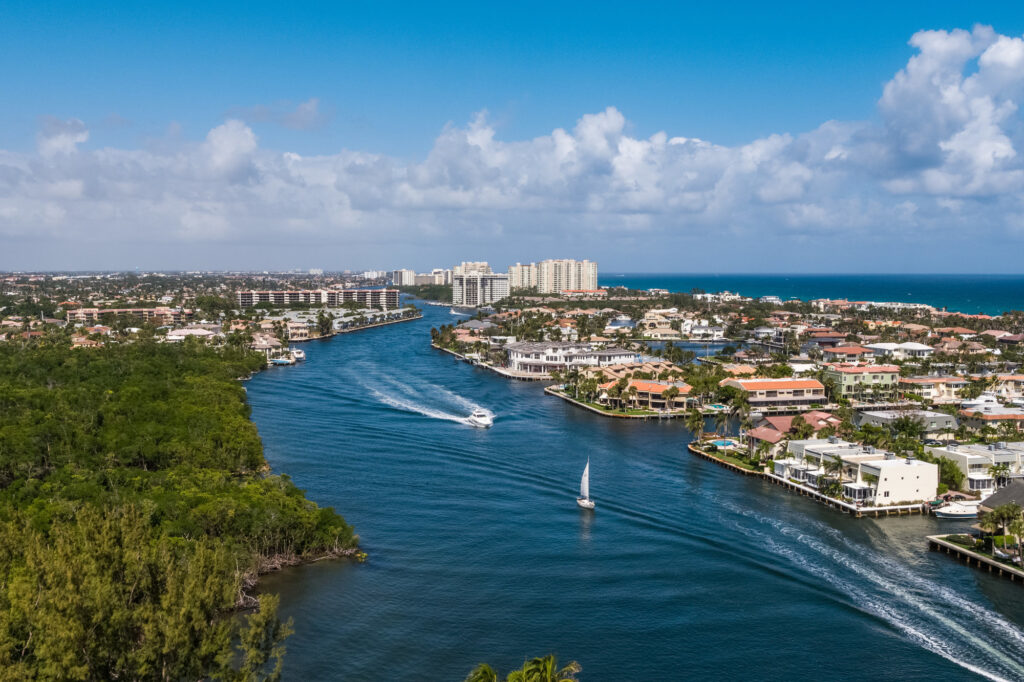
[584, 499]
[984, 400]
[480, 419]
[297, 353]
[957, 510]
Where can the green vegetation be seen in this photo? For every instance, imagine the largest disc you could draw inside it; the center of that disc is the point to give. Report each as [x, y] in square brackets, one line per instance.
[543, 669]
[135, 512]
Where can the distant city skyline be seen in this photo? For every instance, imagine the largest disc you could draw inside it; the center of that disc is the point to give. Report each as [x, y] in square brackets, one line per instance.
[721, 139]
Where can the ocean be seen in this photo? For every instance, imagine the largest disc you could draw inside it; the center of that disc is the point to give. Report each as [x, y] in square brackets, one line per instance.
[990, 294]
[478, 552]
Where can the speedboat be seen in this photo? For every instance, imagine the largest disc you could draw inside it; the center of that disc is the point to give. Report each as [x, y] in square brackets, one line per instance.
[957, 510]
[298, 354]
[480, 419]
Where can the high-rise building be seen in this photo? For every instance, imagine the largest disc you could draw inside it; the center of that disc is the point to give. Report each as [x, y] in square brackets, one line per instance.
[403, 278]
[555, 276]
[468, 267]
[522, 276]
[478, 288]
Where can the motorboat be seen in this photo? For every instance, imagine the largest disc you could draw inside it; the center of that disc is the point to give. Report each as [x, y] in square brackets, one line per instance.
[957, 510]
[978, 404]
[480, 419]
[298, 354]
[584, 500]
[282, 361]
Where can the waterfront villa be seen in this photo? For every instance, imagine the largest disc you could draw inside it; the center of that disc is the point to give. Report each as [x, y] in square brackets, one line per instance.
[938, 389]
[648, 395]
[858, 381]
[902, 351]
[868, 476]
[975, 460]
[779, 393]
[541, 358]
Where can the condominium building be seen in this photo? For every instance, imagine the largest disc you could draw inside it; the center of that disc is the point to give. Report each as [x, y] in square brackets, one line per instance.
[768, 393]
[522, 276]
[478, 288]
[470, 267]
[556, 276]
[975, 460]
[863, 381]
[938, 389]
[158, 316]
[370, 298]
[403, 278]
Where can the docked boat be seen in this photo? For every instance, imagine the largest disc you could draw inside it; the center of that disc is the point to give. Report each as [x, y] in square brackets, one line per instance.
[480, 419]
[957, 510]
[584, 500]
[979, 404]
[298, 354]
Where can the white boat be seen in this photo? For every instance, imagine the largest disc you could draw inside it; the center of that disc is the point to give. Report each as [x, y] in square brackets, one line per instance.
[297, 353]
[584, 499]
[957, 510]
[480, 419]
[984, 400]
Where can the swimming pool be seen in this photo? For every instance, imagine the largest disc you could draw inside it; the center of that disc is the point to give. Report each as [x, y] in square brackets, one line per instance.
[723, 443]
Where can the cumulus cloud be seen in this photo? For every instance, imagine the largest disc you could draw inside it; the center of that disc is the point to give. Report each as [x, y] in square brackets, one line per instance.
[942, 156]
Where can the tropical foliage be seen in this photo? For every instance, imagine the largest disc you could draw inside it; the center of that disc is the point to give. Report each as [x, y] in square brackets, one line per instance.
[136, 510]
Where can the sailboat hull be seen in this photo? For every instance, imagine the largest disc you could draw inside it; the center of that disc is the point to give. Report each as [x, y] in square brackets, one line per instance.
[585, 503]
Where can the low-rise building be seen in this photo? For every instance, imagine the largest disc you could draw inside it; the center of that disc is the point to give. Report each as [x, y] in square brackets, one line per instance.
[977, 460]
[934, 424]
[779, 393]
[994, 416]
[862, 382]
[868, 476]
[938, 389]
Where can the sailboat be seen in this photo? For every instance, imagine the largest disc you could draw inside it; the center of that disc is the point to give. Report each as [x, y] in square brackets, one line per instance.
[584, 499]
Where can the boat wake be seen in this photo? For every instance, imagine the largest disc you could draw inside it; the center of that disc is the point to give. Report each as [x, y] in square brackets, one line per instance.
[429, 400]
[926, 612]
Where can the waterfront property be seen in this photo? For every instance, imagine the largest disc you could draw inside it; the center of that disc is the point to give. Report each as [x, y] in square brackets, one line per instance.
[542, 357]
[385, 299]
[779, 393]
[993, 416]
[875, 477]
[976, 461]
[158, 316]
[645, 395]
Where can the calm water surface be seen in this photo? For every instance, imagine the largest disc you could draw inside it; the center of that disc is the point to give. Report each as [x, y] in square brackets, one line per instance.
[478, 551]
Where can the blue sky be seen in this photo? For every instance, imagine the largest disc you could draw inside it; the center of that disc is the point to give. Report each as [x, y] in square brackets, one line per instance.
[97, 98]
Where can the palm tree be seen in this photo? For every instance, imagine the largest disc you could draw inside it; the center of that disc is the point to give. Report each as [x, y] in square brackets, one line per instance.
[670, 394]
[694, 423]
[721, 421]
[1016, 529]
[1000, 472]
[545, 669]
[482, 673]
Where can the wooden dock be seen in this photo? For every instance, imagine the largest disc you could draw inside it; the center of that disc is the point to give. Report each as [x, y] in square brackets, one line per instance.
[938, 543]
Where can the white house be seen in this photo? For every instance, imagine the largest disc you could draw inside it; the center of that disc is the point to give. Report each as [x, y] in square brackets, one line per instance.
[541, 358]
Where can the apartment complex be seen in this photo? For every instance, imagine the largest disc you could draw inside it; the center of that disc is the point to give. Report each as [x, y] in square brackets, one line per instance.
[975, 460]
[765, 393]
[472, 267]
[478, 288]
[403, 278]
[385, 299]
[555, 276]
[158, 316]
[863, 381]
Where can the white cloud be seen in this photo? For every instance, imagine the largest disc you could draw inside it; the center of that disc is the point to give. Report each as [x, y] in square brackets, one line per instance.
[943, 156]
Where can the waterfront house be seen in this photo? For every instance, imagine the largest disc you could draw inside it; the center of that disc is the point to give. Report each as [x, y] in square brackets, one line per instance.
[779, 393]
[846, 354]
[1011, 494]
[541, 358]
[868, 476]
[976, 459]
[902, 351]
[648, 395]
[857, 382]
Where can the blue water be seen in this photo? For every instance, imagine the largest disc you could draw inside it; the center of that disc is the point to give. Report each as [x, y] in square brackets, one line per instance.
[477, 550]
[991, 294]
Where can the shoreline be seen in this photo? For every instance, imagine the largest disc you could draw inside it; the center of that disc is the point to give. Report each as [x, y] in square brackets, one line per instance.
[839, 505]
[356, 329]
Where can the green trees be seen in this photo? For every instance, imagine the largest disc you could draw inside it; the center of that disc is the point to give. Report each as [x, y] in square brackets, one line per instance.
[542, 669]
[694, 423]
[134, 508]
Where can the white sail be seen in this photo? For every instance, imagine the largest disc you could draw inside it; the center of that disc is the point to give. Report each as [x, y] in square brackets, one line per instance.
[585, 482]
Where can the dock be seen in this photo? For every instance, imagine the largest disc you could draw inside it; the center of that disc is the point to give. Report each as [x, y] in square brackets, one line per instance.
[503, 371]
[939, 543]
